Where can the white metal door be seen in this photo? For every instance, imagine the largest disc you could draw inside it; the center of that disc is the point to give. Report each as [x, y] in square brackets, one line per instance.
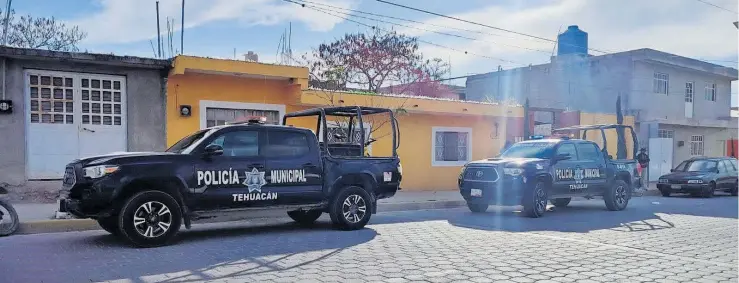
[660, 157]
[102, 125]
[52, 139]
[689, 97]
[63, 123]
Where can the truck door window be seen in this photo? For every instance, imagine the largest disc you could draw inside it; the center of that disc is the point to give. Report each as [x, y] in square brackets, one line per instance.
[568, 148]
[239, 143]
[286, 144]
[733, 164]
[589, 151]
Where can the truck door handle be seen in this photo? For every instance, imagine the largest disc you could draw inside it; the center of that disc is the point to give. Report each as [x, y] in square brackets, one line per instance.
[86, 129]
[257, 165]
[309, 165]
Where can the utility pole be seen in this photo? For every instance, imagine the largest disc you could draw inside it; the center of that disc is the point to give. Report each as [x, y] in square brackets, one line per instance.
[182, 30]
[5, 25]
[159, 38]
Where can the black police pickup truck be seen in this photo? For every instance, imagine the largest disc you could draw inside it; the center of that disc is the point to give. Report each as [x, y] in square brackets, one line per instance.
[247, 167]
[532, 172]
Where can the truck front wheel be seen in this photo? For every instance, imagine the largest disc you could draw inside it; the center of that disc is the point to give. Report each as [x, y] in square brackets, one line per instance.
[150, 219]
[534, 200]
[350, 208]
[305, 217]
[477, 207]
[617, 196]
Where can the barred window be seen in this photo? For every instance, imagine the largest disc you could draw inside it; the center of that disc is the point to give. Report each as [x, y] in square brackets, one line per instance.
[661, 83]
[451, 146]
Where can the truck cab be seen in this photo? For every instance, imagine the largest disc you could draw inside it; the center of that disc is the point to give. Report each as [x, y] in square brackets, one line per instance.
[247, 168]
[532, 172]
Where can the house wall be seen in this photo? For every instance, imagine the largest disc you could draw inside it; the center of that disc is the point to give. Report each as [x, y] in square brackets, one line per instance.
[416, 125]
[672, 106]
[714, 141]
[145, 111]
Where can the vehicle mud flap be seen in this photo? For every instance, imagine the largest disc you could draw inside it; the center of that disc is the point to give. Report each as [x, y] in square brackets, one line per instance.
[374, 203]
[186, 217]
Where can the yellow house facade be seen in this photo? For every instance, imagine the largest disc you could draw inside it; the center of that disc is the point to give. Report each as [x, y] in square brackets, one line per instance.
[219, 90]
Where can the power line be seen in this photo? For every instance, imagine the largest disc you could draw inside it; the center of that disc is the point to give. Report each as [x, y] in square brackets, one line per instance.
[412, 21]
[484, 25]
[417, 28]
[419, 40]
[717, 6]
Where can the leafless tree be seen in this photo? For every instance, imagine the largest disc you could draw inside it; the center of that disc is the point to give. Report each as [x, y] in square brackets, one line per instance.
[41, 33]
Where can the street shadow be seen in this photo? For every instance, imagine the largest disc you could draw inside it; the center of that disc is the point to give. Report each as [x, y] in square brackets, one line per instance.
[203, 253]
[581, 216]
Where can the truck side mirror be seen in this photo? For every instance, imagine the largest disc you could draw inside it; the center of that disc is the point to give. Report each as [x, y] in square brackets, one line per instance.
[672, 170]
[213, 150]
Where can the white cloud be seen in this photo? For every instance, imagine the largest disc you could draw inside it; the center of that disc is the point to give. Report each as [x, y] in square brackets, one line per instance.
[124, 21]
[687, 28]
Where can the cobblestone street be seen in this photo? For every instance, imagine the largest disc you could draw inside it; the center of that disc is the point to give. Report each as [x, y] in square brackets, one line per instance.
[656, 239]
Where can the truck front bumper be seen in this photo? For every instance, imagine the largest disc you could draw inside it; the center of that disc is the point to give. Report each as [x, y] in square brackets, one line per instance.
[505, 191]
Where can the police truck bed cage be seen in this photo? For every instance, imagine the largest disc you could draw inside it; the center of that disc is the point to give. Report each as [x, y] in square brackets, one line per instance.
[602, 128]
[352, 112]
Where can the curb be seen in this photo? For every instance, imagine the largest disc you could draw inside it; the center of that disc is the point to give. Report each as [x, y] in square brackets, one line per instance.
[76, 225]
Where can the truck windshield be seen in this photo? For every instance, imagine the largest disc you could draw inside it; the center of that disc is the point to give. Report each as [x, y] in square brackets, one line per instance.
[529, 150]
[187, 141]
[697, 166]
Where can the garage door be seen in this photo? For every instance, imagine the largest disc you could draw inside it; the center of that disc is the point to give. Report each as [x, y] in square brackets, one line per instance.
[72, 115]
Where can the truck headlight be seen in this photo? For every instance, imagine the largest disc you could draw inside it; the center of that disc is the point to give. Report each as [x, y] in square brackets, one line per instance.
[695, 181]
[513, 171]
[400, 168]
[95, 172]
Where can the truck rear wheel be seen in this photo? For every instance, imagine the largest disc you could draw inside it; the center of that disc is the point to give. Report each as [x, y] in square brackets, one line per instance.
[350, 208]
[534, 200]
[561, 202]
[305, 217]
[109, 224]
[617, 196]
[150, 219]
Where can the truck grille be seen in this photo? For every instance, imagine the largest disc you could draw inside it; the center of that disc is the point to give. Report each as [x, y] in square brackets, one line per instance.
[70, 177]
[483, 174]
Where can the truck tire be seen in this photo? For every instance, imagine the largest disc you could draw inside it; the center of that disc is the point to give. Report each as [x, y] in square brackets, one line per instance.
[150, 219]
[734, 191]
[350, 208]
[665, 192]
[534, 200]
[477, 207]
[109, 224]
[305, 217]
[617, 196]
[561, 202]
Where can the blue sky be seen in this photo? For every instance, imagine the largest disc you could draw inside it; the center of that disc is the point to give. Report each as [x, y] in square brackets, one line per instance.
[215, 28]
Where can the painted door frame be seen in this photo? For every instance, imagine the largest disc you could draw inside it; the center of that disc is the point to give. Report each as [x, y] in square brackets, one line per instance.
[77, 100]
[204, 104]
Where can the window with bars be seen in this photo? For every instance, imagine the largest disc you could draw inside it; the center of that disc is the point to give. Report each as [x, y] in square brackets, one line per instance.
[101, 101]
[451, 146]
[696, 145]
[665, 133]
[710, 92]
[355, 137]
[661, 83]
[52, 99]
[221, 116]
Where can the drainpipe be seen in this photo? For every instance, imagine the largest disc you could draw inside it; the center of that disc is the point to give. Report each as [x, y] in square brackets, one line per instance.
[4, 88]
